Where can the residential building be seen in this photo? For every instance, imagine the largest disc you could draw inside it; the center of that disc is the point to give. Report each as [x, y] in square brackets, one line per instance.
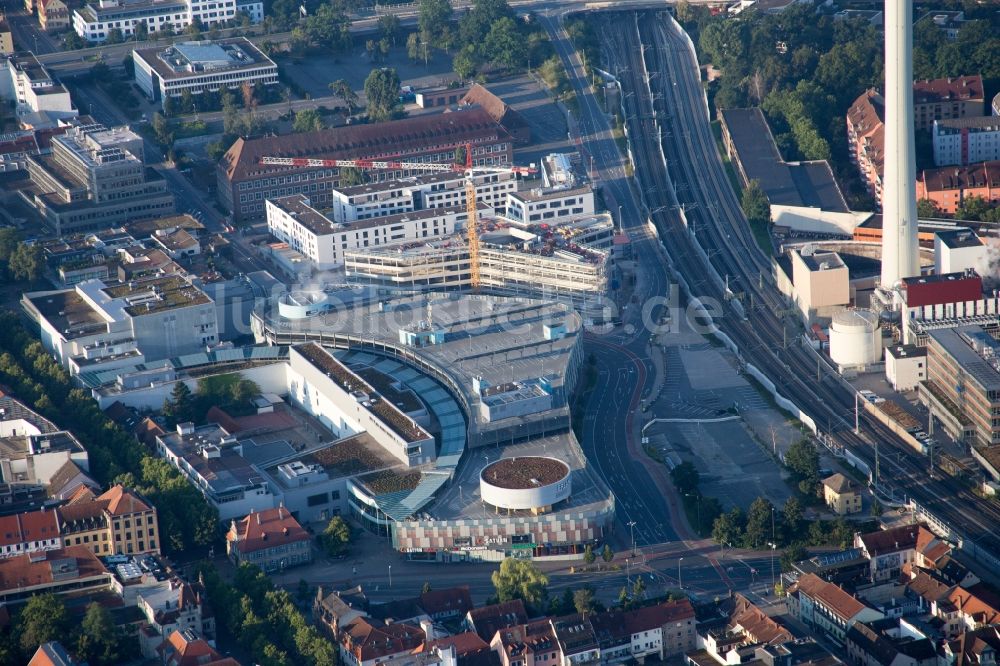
[173, 605]
[576, 640]
[955, 609]
[888, 551]
[529, 644]
[117, 522]
[653, 632]
[6, 38]
[367, 642]
[842, 495]
[937, 99]
[293, 220]
[905, 366]
[186, 648]
[549, 205]
[889, 642]
[948, 187]
[32, 448]
[73, 570]
[53, 15]
[486, 621]
[244, 184]
[972, 648]
[960, 372]
[826, 607]
[29, 533]
[964, 141]
[271, 540]
[804, 196]
[338, 609]
[41, 102]
[948, 22]
[197, 67]
[93, 326]
[95, 20]
[95, 178]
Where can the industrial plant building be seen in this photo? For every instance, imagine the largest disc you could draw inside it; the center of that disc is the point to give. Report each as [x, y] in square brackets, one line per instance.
[244, 184]
[197, 67]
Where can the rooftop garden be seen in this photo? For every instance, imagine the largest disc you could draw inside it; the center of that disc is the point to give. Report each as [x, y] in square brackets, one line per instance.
[347, 457]
[390, 481]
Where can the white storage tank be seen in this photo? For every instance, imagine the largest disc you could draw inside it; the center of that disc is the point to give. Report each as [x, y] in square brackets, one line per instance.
[855, 338]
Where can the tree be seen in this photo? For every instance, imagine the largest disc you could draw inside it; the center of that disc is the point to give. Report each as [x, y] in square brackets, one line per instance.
[382, 92]
[44, 618]
[791, 516]
[336, 538]
[389, 27]
[99, 640]
[352, 176]
[802, 459]
[464, 63]
[520, 579]
[342, 89]
[169, 106]
[876, 509]
[162, 130]
[187, 101]
[434, 21]
[27, 262]
[588, 555]
[927, 209]
[607, 554]
[972, 208]
[307, 120]
[504, 45]
[413, 50]
[755, 204]
[728, 528]
[638, 587]
[141, 31]
[115, 36]
[476, 23]
[10, 239]
[685, 477]
[426, 588]
[583, 600]
[796, 552]
[73, 41]
[759, 518]
[180, 406]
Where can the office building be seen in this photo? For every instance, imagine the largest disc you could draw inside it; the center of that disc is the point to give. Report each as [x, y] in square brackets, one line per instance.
[963, 380]
[196, 67]
[41, 102]
[326, 243]
[95, 178]
[93, 326]
[244, 184]
[95, 20]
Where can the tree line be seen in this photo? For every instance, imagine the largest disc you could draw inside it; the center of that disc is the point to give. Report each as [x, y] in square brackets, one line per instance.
[186, 521]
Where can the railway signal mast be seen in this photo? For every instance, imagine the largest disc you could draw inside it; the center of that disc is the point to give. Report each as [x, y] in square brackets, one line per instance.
[468, 169]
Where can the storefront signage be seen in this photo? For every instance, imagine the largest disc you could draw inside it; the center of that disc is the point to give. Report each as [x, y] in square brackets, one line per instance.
[523, 546]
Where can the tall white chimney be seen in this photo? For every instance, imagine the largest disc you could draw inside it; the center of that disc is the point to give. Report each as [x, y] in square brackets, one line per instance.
[899, 190]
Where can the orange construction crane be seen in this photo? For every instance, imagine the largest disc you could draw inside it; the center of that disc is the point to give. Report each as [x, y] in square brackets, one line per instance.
[468, 169]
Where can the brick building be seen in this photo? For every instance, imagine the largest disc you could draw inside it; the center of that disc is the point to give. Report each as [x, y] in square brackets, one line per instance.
[244, 184]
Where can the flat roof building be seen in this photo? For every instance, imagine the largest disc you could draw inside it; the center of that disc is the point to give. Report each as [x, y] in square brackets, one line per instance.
[95, 20]
[962, 366]
[957, 251]
[94, 326]
[202, 66]
[41, 101]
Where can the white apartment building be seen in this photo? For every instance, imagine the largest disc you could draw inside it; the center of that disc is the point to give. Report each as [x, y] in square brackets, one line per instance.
[99, 327]
[432, 190]
[961, 141]
[41, 101]
[94, 21]
[163, 72]
[293, 220]
[541, 205]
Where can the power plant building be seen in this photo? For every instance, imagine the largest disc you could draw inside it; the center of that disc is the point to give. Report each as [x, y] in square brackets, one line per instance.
[963, 382]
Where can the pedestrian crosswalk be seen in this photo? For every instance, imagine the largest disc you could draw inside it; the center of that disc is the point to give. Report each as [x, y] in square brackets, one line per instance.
[749, 399]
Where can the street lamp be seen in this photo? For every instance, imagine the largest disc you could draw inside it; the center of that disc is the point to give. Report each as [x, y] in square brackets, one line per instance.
[390, 576]
[680, 581]
[773, 546]
[631, 529]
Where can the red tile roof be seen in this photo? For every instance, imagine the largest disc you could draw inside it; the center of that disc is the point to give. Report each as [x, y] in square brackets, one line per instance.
[447, 601]
[487, 620]
[369, 639]
[122, 501]
[832, 597]
[396, 137]
[962, 88]
[892, 540]
[267, 529]
[36, 568]
[186, 649]
[980, 175]
[464, 643]
[30, 526]
[756, 624]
